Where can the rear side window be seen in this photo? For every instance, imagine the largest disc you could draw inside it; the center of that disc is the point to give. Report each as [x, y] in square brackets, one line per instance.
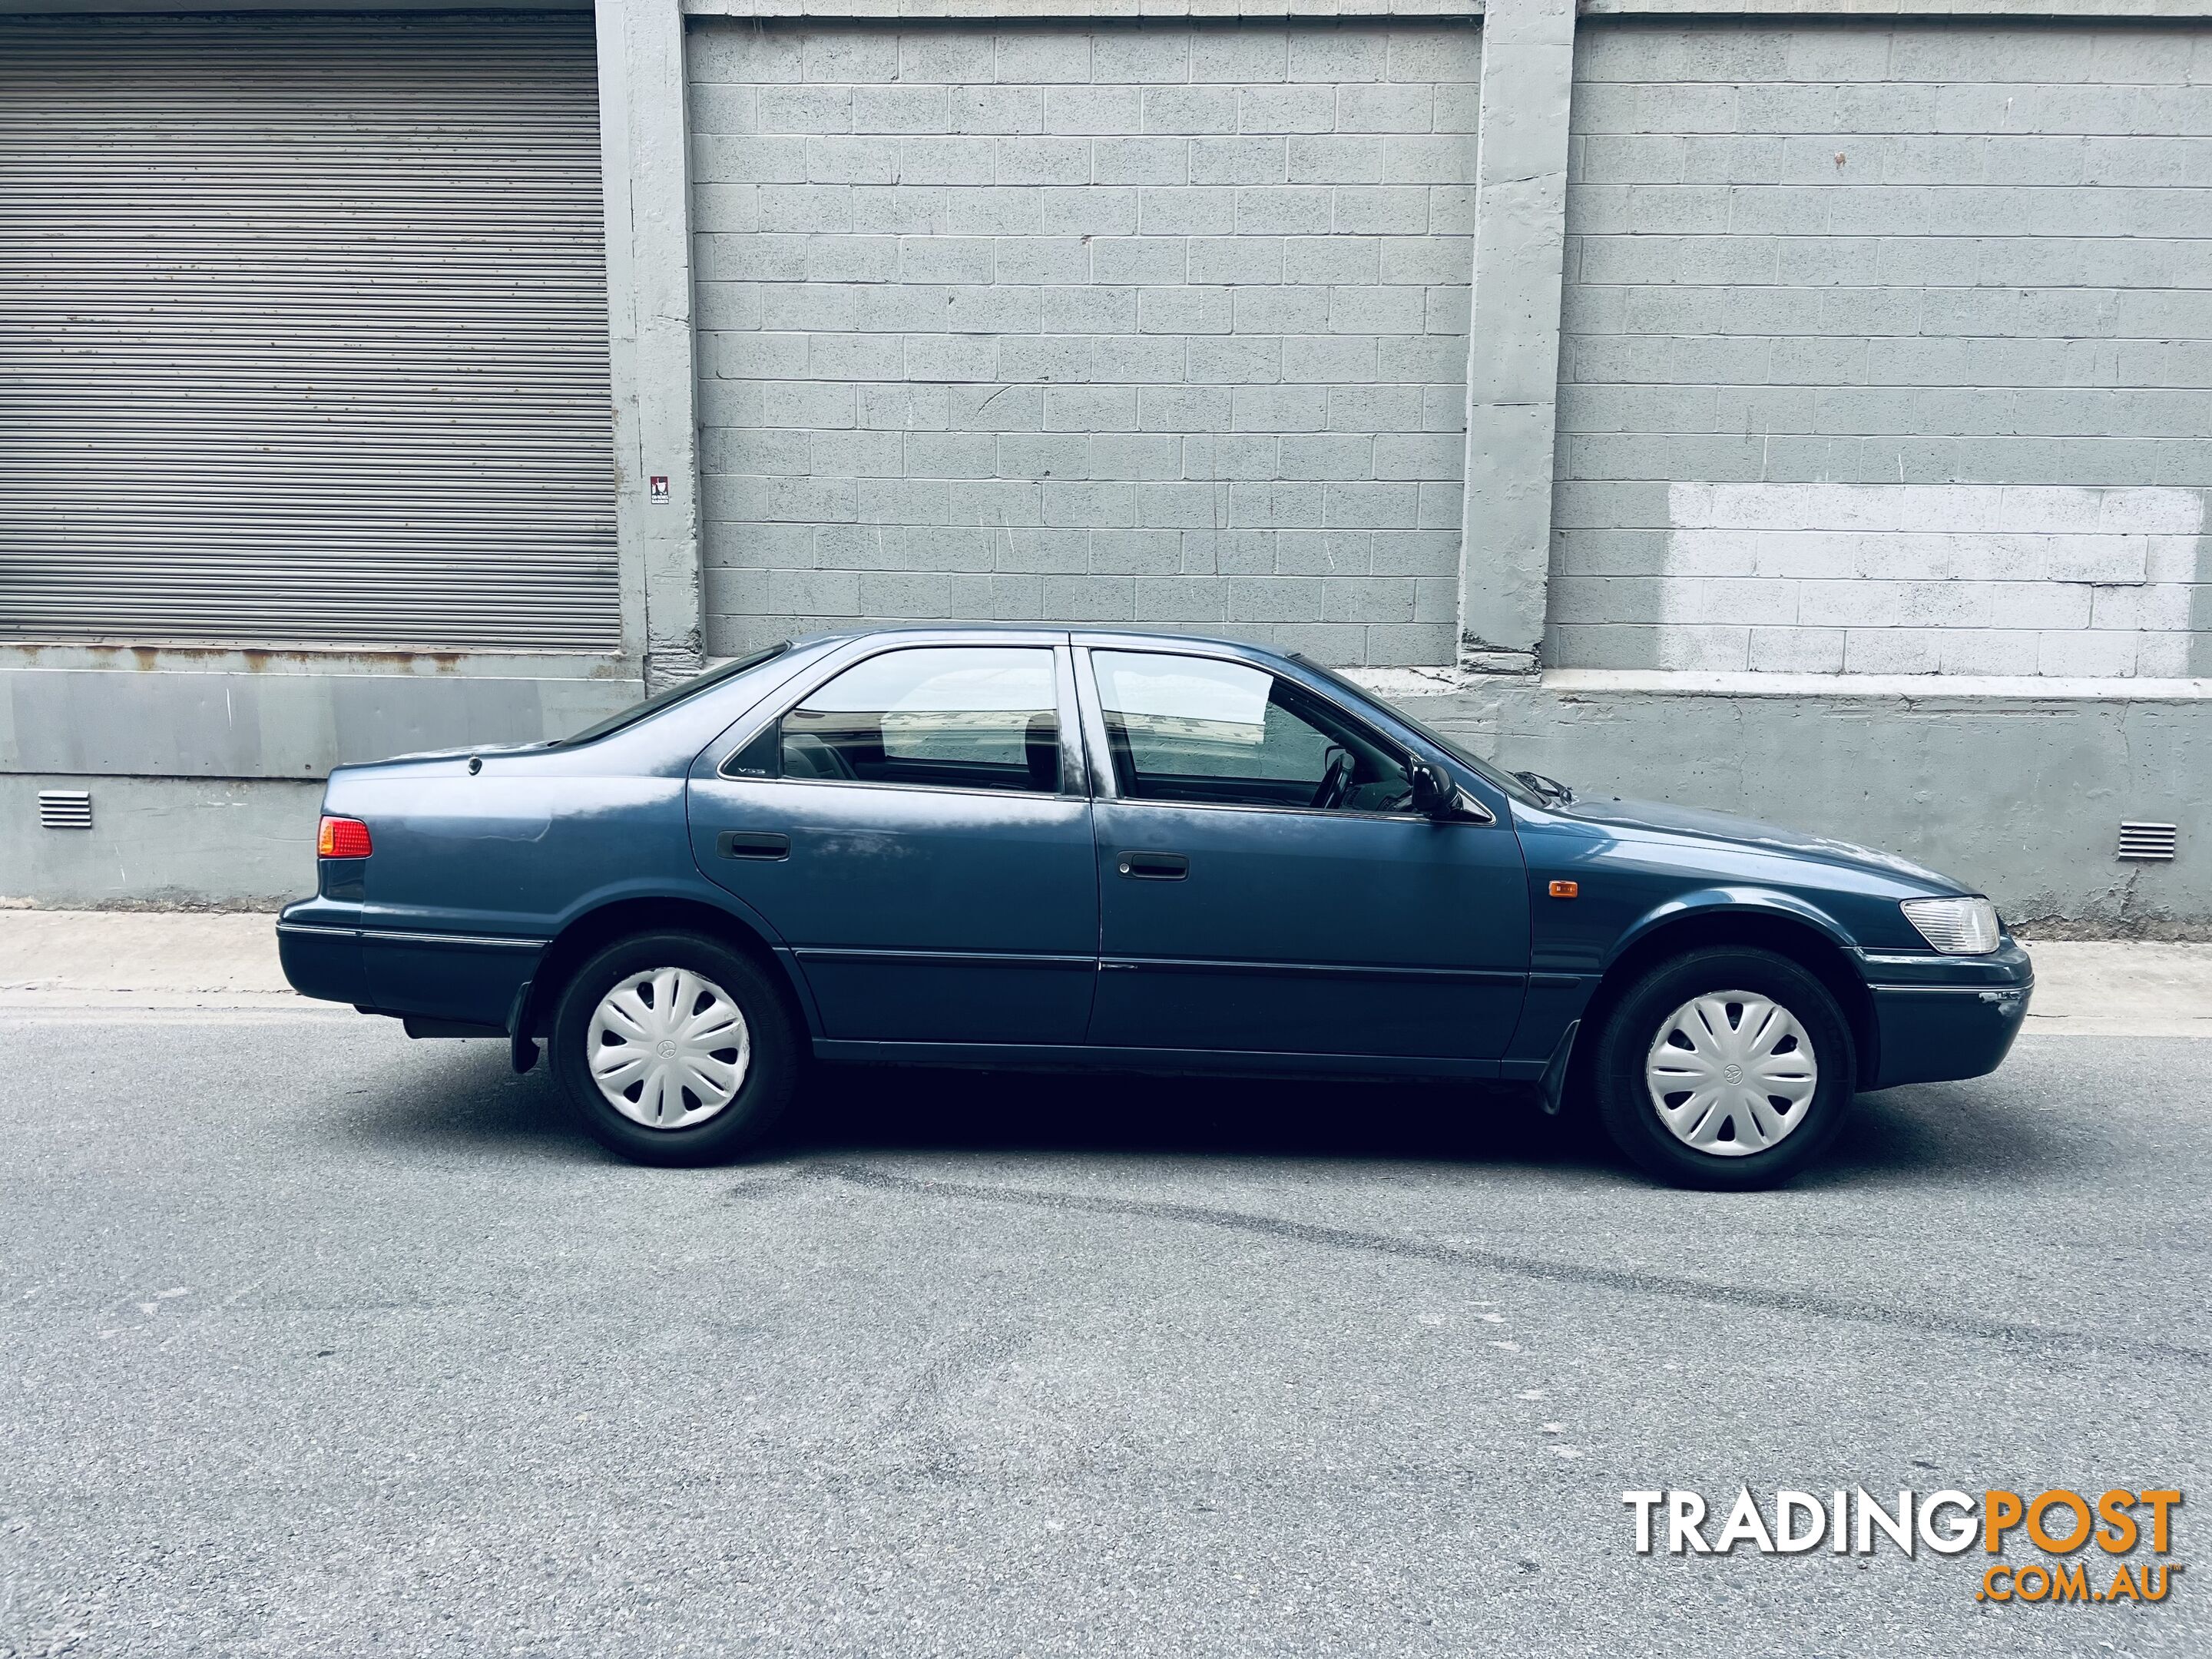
[958, 717]
[680, 692]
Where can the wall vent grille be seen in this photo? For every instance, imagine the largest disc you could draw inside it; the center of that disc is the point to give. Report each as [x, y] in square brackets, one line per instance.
[2148, 841]
[66, 809]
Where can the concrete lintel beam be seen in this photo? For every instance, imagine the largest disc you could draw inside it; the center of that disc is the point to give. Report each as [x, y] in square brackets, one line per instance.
[1016, 11]
[1996, 10]
[261, 725]
[1091, 11]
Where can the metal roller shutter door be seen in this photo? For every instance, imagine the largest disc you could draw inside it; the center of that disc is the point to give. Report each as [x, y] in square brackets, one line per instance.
[303, 334]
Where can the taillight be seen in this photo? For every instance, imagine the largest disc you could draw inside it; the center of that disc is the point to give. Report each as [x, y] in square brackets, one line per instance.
[342, 838]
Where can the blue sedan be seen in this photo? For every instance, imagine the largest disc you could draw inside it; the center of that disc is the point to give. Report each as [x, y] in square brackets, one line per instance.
[997, 846]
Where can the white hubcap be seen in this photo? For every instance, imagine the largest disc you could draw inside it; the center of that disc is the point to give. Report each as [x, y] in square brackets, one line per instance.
[1731, 1073]
[668, 1048]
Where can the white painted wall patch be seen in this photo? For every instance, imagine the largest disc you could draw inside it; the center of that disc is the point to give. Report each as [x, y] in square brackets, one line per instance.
[1931, 579]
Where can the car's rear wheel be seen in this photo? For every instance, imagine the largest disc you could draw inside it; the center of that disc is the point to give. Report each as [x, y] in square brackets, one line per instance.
[1729, 1068]
[675, 1048]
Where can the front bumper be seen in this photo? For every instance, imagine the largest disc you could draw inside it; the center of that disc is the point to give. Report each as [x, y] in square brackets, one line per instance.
[1938, 1018]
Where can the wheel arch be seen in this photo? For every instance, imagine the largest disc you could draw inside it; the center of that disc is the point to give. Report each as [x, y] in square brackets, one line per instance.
[1773, 922]
[584, 936]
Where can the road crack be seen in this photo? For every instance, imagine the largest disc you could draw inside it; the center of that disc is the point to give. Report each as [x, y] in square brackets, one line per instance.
[2051, 1339]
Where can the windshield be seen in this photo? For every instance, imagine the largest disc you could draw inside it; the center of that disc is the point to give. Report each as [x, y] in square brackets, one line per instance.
[1488, 771]
[674, 694]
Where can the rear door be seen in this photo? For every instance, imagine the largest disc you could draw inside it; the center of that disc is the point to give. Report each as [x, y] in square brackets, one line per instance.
[915, 826]
[1266, 887]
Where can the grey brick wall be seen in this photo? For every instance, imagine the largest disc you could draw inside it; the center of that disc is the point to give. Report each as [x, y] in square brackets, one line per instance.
[1825, 268]
[1162, 326]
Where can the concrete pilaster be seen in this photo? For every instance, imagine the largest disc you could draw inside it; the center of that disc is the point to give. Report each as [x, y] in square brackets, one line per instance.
[1513, 353]
[643, 144]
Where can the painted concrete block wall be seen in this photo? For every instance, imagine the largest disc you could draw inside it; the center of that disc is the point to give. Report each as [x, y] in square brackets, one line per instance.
[1085, 323]
[2020, 796]
[1868, 326]
[248, 842]
[1951, 578]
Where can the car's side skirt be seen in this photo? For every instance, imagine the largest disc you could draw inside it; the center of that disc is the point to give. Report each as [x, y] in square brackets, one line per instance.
[1360, 972]
[1213, 1062]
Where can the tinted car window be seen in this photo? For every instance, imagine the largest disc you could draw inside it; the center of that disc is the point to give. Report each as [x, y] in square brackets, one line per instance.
[1195, 729]
[979, 718]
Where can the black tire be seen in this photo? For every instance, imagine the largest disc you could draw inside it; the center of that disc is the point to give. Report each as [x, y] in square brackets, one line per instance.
[772, 1072]
[1624, 1100]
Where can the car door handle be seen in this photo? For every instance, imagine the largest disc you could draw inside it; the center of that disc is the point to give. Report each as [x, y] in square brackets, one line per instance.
[749, 844]
[1153, 867]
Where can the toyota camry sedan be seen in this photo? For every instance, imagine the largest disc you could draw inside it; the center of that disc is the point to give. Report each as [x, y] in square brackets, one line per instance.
[992, 846]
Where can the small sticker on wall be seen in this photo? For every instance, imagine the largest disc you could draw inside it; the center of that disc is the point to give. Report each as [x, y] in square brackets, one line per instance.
[656, 489]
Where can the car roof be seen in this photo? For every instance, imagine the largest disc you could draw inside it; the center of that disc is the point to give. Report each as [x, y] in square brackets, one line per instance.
[1138, 637]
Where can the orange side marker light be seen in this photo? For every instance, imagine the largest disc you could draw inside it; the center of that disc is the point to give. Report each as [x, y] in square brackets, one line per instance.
[1566, 889]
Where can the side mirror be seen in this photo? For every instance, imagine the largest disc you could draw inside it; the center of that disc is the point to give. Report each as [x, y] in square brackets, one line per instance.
[1433, 794]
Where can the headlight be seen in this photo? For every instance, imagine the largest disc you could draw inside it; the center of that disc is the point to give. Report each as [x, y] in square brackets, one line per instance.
[1956, 927]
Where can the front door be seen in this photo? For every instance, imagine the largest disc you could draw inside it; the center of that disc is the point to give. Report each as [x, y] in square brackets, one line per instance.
[915, 830]
[1265, 886]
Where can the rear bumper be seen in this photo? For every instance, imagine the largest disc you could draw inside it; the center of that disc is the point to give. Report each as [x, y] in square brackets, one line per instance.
[466, 979]
[1939, 1019]
[320, 953]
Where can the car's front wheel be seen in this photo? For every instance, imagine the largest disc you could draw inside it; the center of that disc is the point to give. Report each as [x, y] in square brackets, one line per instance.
[1729, 1068]
[674, 1049]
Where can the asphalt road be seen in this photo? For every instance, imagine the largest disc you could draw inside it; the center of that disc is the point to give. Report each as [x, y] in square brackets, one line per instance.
[314, 1341]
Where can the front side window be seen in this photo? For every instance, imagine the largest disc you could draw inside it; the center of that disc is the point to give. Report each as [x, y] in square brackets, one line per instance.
[1193, 729]
[1506, 783]
[960, 717]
